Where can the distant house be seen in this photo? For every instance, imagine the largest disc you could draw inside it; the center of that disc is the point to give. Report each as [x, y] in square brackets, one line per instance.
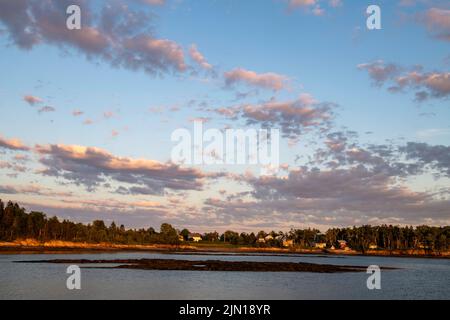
[373, 246]
[320, 245]
[268, 238]
[342, 244]
[261, 240]
[196, 237]
[180, 238]
[288, 243]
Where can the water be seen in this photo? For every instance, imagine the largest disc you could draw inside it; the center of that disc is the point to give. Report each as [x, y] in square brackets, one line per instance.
[416, 279]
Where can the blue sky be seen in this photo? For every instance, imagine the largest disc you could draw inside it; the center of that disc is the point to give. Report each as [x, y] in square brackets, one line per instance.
[130, 113]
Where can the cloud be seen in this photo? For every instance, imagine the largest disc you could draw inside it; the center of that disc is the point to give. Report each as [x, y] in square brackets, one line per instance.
[32, 100]
[46, 109]
[350, 188]
[436, 157]
[199, 58]
[380, 72]
[315, 7]
[21, 157]
[271, 81]
[437, 22]
[33, 190]
[335, 3]
[342, 151]
[357, 194]
[77, 113]
[152, 55]
[108, 114]
[425, 84]
[12, 144]
[113, 33]
[154, 2]
[432, 133]
[293, 118]
[93, 166]
[12, 166]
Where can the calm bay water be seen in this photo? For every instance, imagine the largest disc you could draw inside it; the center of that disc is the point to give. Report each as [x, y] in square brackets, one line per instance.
[416, 279]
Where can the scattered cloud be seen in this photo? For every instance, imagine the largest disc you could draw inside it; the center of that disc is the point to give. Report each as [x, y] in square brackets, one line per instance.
[432, 133]
[12, 144]
[115, 33]
[77, 113]
[33, 190]
[270, 80]
[436, 157]
[108, 114]
[91, 167]
[426, 85]
[46, 109]
[316, 7]
[199, 58]
[437, 21]
[32, 100]
[293, 118]
[12, 166]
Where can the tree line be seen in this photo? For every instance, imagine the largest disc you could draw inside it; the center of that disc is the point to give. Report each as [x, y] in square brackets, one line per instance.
[16, 223]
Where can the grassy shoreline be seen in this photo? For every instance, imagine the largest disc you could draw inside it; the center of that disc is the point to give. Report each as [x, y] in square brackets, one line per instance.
[62, 247]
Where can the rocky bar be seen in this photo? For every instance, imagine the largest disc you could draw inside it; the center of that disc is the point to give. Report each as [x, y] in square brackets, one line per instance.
[209, 265]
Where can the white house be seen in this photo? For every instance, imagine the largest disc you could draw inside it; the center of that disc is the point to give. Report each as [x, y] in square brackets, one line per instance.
[196, 237]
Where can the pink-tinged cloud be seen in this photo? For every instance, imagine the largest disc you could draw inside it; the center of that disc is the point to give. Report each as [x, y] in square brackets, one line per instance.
[33, 189]
[152, 55]
[302, 3]
[12, 144]
[32, 100]
[154, 2]
[77, 113]
[335, 3]
[437, 22]
[365, 184]
[269, 80]
[333, 197]
[108, 114]
[12, 166]
[92, 167]
[293, 118]
[315, 7]
[199, 58]
[426, 85]
[113, 33]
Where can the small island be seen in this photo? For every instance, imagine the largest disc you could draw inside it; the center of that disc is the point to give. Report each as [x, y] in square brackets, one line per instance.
[207, 265]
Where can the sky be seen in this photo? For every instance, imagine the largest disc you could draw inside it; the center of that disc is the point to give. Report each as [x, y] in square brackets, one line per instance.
[363, 115]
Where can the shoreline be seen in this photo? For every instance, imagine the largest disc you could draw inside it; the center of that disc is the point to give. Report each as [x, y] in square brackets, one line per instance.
[64, 247]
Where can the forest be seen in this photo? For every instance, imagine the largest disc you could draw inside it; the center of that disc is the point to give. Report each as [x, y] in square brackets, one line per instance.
[16, 223]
